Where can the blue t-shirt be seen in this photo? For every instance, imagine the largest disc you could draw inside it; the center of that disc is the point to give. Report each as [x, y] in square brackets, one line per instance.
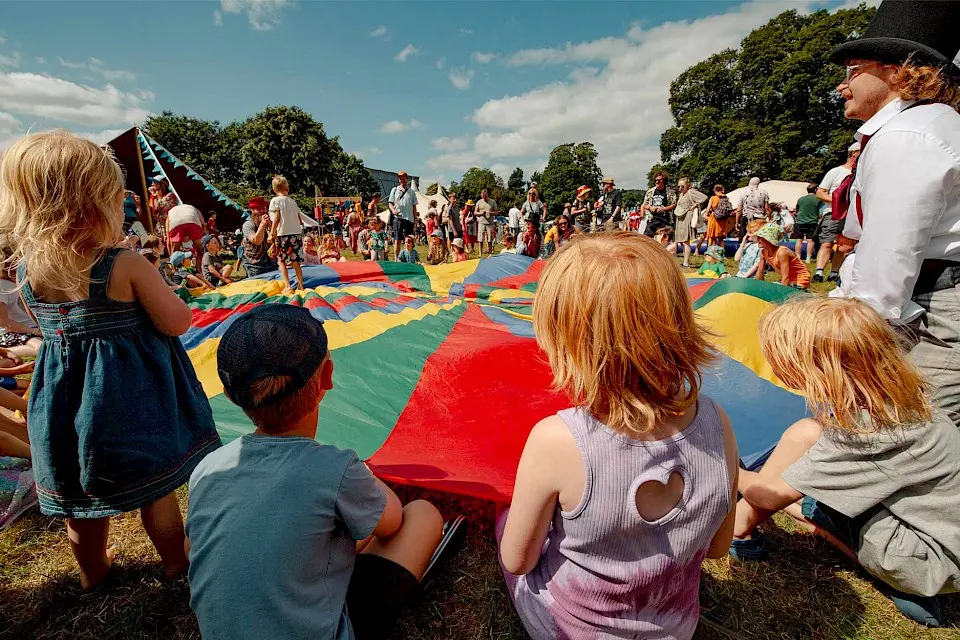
[273, 523]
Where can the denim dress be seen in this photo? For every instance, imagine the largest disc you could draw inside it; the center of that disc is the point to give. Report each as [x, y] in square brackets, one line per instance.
[116, 415]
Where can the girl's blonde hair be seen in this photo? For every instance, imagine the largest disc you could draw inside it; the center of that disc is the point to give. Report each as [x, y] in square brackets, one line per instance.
[614, 317]
[280, 184]
[754, 225]
[846, 360]
[61, 201]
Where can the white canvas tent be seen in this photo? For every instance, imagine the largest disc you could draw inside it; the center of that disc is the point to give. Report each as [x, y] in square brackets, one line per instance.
[778, 190]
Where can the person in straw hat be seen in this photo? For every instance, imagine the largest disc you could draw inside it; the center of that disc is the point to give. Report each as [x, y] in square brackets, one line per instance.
[903, 195]
[609, 206]
[581, 209]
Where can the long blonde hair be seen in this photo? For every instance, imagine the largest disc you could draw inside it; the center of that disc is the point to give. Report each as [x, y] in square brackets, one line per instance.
[846, 360]
[61, 202]
[614, 317]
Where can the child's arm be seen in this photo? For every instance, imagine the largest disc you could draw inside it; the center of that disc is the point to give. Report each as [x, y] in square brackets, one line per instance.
[783, 266]
[216, 272]
[169, 314]
[199, 281]
[743, 246]
[720, 545]
[550, 453]
[761, 266]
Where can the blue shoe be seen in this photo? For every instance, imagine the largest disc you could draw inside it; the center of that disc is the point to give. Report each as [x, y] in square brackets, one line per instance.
[749, 549]
[923, 609]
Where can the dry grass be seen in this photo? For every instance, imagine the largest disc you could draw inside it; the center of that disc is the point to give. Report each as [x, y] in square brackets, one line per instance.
[805, 591]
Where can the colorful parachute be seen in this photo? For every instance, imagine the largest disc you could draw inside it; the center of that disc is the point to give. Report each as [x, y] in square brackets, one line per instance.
[438, 378]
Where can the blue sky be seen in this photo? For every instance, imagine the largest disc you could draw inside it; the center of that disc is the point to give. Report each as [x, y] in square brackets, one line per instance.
[433, 88]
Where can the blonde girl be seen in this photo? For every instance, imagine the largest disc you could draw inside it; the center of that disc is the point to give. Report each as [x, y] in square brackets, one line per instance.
[117, 419]
[619, 498]
[873, 471]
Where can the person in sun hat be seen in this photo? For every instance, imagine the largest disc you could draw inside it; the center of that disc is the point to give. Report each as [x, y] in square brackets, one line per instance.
[162, 199]
[403, 207]
[609, 213]
[310, 520]
[791, 269]
[582, 208]
[903, 195]
[255, 231]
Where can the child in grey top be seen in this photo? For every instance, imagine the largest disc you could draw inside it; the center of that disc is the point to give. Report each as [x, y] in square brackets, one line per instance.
[874, 471]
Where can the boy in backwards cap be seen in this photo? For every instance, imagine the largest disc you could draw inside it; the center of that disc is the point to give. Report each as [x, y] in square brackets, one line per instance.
[287, 535]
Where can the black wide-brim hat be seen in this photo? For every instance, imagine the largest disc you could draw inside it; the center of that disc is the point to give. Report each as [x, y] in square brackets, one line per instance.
[927, 30]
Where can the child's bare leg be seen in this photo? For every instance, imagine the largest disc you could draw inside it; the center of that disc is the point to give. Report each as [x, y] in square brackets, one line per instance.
[283, 273]
[11, 445]
[795, 511]
[88, 541]
[28, 350]
[299, 271]
[10, 400]
[413, 544]
[227, 271]
[164, 525]
[795, 442]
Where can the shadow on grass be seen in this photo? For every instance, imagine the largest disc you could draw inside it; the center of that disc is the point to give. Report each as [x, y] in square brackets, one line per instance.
[133, 603]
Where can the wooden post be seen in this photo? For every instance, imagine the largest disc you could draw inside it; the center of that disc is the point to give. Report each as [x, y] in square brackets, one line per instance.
[145, 204]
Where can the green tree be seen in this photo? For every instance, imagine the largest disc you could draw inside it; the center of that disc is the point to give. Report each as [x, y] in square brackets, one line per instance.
[476, 180]
[535, 179]
[515, 181]
[288, 141]
[193, 140]
[432, 189]
[768, 109]
[570, 166]
[351, 176]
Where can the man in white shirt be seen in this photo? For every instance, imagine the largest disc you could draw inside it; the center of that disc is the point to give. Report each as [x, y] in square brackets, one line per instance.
[486, 210]
[513, 221]
[904, 201]
[827, 227]
[403, 207]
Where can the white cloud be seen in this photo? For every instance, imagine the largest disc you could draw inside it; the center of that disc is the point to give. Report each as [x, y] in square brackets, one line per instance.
[439, 63]
[406, 52]
[96, 65]
[379, 32]
[57, 99]
[73, 65]
[461, 78]
[458, 161]
[10, 61]
[217, 18]
[395, 126]
[373, 151]
[623, 107]
[8, 124]
[451, 144]
[466, 32]
[2, 40]
[101, 137]
[483, 58]
[41, 60]
[263, 15]
[603, 49]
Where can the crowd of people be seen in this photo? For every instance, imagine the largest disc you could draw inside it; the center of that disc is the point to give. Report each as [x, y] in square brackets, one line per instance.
[618, 499]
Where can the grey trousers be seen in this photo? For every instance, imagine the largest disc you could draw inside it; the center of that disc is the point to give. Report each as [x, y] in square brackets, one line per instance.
[934, 342]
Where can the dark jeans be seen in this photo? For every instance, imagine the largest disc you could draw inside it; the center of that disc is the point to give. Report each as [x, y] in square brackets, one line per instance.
[255, 269]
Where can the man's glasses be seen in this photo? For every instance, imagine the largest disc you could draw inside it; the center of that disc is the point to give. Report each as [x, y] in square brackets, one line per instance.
[853, 71]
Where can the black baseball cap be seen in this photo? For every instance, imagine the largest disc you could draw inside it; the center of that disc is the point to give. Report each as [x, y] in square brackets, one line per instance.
[272, 340]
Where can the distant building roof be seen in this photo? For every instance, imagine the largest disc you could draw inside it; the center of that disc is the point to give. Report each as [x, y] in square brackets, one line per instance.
[388, 180]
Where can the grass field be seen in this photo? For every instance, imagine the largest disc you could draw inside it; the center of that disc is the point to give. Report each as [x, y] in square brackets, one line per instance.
[805, 591]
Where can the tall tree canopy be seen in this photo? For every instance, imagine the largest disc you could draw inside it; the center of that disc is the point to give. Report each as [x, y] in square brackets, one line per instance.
[242, 157]
[476, 180]
[768, 109]
[570, 166]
